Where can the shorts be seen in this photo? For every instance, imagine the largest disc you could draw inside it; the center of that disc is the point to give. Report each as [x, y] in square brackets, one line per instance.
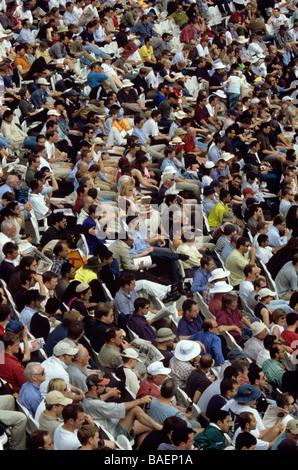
[119, 430]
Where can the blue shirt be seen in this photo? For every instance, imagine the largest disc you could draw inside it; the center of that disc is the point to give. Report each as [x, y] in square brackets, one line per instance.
[95, 79]
[143, 137]
[200, 281]
[187, 327]
[125, 303]
[30, 397]
[212, 344]
[39, 98]
[139, 245]
[54, 337]
[226, 251]
[274, 237]
[26, 315]
[142, 30]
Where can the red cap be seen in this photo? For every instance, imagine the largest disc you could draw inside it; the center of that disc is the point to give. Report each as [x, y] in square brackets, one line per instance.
[248, 191]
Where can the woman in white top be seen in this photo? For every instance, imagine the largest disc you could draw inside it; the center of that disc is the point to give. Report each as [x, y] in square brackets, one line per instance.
[234, 88]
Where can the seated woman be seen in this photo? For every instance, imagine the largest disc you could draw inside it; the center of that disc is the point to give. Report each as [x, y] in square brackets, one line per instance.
[261, 310]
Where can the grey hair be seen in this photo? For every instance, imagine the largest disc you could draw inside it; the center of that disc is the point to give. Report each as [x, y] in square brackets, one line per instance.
[7, 225]
[10, 178]
[31, 369]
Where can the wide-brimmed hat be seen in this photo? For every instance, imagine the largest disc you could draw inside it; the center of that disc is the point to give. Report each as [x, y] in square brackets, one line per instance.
[164, 334]
[176, 141]
[257, 327]
[242, 39]
[221, 287]
[187, 350]
[93, 262]
[218, 273]
[219, 65]
[157, 368]
[129, 49]
[247, 393]
[228, 216]
[219, 93]
[180, 131]
[126, 83]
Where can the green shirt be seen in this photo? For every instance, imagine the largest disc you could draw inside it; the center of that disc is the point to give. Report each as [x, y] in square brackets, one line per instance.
[179, 18]
[211, 438]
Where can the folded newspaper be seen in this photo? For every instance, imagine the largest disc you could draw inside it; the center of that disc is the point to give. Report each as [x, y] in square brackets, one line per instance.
[274, 414]
[147, 354]
[162, 313]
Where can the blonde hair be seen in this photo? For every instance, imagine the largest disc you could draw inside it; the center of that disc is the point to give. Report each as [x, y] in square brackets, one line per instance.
[277, 314]
[57, 385]
[125, 188]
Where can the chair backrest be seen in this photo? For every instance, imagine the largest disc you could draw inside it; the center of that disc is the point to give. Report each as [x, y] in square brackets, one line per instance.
[182, 398]
[32, 424]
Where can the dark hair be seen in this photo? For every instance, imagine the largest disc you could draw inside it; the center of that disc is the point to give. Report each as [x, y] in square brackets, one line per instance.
[9, 248]
[65, 268]
[168, 388]
[126, 278]
[140, 302]
[245, 439]
[102, 310]
[219, 415]
[173, 422]
[226, 385]
[5, 311]
[52, 305]
[71, 411]
[36, 440]
[180, 435]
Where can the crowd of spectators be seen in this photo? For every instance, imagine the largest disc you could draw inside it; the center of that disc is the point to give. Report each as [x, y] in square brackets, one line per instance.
[148, 166]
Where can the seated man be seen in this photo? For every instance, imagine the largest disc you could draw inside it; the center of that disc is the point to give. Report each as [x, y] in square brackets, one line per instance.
[139, 324]
[231, 319]
[125, 418]
[209, 337]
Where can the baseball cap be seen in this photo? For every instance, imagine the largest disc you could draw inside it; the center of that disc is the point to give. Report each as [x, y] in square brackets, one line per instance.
[57, 398]
[248, 191]
[53, 112]
[131, 353]
[157, 368]
[63, 347]
[292, 426]
[95, 379]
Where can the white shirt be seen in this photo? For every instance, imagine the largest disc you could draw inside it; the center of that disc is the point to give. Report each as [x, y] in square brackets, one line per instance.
[65, 440]
[234, 407]
[3, 239]
[38, 204]
[54, 368]
[245, 289]
[277, 22]
[151, 128]
[264, 254]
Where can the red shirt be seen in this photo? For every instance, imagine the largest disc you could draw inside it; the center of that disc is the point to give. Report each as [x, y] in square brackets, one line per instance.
[12, 371]
[189, 144]
[290, 337]
[144, 389]
[234, 318]
[2, 329]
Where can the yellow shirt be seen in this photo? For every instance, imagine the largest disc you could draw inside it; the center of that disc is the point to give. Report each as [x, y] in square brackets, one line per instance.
[146, 53]
[215, 216]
